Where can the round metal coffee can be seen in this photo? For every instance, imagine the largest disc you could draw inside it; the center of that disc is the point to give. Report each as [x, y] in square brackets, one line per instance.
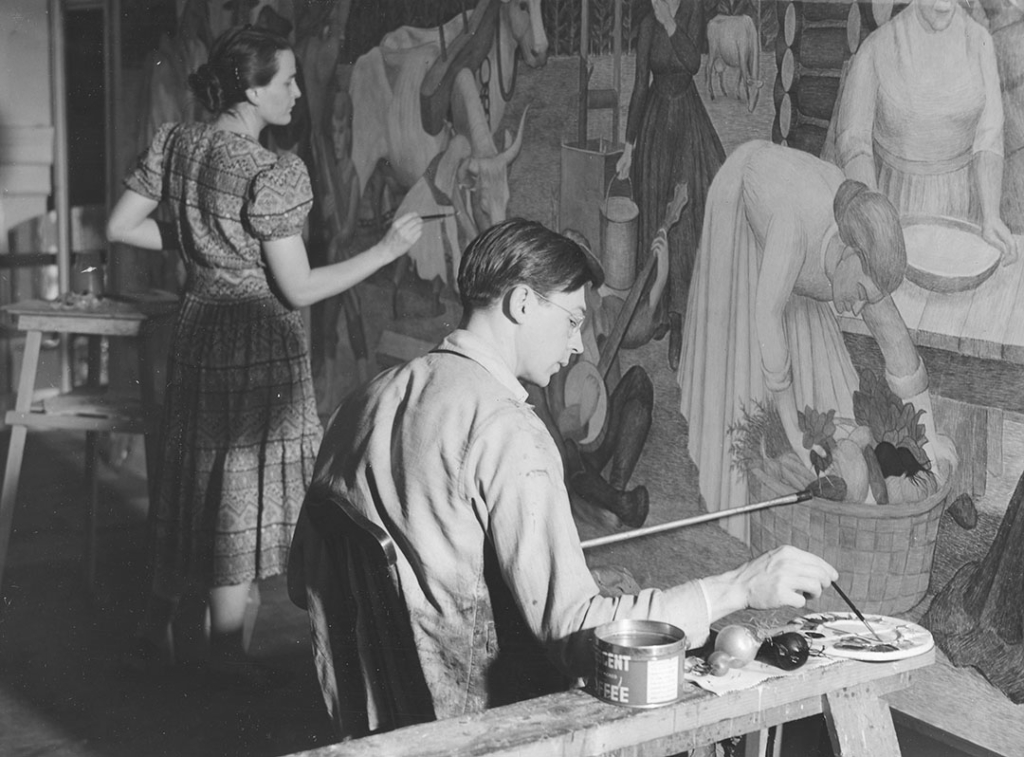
[639, 663]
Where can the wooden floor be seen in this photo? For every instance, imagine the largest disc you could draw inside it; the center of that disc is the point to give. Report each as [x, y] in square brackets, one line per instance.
[63, 691]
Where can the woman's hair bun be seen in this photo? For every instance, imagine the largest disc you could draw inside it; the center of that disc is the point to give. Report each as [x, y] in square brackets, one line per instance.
[848, 191]
[206, 87]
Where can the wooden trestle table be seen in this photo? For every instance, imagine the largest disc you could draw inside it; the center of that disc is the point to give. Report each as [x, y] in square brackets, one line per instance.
[849, 693]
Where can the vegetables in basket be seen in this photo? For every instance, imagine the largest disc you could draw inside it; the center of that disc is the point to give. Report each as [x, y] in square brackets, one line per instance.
[899, 443]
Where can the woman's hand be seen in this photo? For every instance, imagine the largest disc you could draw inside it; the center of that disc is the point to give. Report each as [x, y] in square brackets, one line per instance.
[997, 234]
[659, 248]
[402, 235]
[943, 448]
[663, 13]
[625, 162]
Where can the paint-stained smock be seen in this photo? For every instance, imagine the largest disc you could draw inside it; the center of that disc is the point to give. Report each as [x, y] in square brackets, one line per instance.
[446, 455]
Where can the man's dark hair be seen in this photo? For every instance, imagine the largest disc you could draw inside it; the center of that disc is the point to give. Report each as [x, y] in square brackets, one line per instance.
[516, 252]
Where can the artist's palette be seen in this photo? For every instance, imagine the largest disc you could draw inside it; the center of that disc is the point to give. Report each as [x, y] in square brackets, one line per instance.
[842, 634]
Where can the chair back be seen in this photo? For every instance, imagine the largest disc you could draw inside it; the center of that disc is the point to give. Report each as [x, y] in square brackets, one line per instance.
[375, 644]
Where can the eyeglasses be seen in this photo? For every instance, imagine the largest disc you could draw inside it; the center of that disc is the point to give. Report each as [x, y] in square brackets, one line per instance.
[575, 321]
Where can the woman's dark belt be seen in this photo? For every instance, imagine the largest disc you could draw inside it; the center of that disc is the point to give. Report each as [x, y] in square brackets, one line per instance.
[673, 85]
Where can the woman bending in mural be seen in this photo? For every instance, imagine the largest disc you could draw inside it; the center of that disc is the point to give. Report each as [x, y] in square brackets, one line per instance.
[785, 238]
[240, 428]
[921, 117]
[669, 137]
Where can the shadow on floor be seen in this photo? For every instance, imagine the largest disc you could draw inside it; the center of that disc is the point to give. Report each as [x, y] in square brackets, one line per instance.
[63, 690]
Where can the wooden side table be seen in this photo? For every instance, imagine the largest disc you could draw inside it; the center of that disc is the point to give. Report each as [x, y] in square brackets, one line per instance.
[90, 409]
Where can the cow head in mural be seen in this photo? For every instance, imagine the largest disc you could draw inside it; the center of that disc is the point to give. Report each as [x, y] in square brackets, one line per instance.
[485, 178]
[525, 23]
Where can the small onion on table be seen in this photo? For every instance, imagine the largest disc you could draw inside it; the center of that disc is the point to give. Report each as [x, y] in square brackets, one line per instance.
[737, 645]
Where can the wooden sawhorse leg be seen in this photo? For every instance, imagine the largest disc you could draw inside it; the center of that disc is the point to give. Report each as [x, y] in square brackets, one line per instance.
[16, 450]
[860, 723]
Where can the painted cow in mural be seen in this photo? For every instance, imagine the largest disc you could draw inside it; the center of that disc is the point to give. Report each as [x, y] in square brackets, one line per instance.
[732, 42]
[388, 118]
[448, 186]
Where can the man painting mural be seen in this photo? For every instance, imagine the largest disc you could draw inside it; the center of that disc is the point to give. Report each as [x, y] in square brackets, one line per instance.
[446, 456]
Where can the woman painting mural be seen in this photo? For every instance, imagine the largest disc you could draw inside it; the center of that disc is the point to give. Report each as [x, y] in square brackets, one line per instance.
[240, 429]
[669, 137]
[786, 237]
[921, 118]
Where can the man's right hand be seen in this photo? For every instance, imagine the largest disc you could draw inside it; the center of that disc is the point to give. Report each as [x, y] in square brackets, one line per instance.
[785, 576]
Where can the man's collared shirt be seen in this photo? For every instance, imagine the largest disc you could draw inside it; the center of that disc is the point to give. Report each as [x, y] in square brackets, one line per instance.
[446, 455]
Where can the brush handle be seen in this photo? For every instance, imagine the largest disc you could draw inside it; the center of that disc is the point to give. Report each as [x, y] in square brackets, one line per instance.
[856, 612]
[789, 499]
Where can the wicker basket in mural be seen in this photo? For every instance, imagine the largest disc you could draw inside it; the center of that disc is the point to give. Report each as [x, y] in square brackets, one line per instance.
[883, 552]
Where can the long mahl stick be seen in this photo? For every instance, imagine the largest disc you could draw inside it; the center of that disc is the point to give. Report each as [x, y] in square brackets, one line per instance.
[601, 541]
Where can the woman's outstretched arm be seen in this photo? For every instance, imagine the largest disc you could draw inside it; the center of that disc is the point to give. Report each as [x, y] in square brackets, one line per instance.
[301, 285]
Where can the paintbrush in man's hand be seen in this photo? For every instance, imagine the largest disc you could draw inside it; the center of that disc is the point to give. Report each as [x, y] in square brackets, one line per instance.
[856, 612]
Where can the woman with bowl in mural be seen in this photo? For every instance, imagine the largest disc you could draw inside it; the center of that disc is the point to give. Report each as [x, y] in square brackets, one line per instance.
[921, 118]
[669, 137]
[786, 237]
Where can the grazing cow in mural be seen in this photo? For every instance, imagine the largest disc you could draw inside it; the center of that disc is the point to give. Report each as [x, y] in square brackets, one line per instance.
[732, 41]
[389, 124]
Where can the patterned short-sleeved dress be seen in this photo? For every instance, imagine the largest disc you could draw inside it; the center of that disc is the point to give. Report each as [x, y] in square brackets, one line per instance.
[240, 428]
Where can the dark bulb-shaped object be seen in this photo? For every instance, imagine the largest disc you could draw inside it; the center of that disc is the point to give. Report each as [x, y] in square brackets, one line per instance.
[787, 651]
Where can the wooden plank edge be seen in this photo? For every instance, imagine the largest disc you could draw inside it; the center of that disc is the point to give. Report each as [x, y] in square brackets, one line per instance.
[576, 723]
[79, 422]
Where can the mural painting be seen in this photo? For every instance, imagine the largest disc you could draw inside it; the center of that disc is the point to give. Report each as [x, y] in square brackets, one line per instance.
[815, 282]
[812, 263]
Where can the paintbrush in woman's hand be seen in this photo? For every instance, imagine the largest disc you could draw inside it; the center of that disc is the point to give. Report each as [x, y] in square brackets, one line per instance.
[435, 216]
